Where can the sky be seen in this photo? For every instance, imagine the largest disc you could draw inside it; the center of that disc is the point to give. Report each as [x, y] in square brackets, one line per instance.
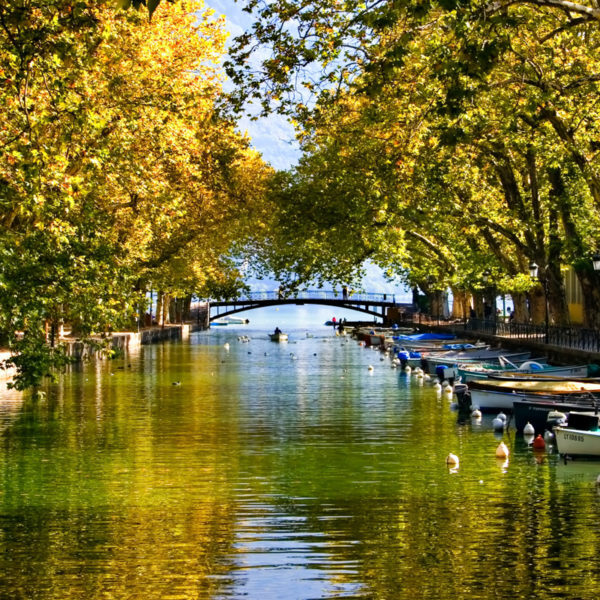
[274, 138]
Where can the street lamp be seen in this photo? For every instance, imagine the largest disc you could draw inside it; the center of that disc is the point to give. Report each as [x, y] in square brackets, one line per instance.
[533, 272]
[596, 261]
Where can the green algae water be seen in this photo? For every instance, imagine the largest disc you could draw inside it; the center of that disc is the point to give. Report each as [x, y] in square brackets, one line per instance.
[284, 471]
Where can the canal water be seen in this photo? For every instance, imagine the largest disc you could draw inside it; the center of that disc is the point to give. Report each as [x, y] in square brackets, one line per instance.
[278, 471]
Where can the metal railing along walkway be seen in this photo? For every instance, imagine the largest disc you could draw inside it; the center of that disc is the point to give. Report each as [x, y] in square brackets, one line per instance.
[573, 338]
[309, 295]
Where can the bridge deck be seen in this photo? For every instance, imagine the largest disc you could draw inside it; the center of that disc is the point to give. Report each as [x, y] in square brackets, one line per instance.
[373, 304]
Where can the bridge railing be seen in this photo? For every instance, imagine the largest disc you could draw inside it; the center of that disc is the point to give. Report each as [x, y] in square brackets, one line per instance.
[311, 295]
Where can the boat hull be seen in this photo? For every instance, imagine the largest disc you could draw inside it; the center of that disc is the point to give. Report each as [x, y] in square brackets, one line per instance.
[536, 411]
[278, 337]
[577, 442]
[547, 372]
[489, 401]
[451, 359]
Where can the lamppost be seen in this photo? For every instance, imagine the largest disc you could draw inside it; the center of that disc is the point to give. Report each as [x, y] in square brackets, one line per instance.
[491, 298]
[596, 260]
[533, 272]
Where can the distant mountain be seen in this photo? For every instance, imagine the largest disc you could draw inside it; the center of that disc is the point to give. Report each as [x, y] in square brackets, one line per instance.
[274, 137]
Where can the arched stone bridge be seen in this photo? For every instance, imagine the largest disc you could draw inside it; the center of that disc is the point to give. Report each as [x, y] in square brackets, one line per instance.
[377, 305]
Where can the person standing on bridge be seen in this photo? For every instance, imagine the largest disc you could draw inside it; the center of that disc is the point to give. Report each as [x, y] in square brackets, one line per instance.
[345, 293]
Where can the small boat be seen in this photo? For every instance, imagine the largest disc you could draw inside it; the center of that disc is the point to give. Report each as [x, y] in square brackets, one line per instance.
[455, 358]
[230, 321]
[279, 337]
[581, 435]
[494, 394]
[536, 410]
[530, 370]
[550, 386]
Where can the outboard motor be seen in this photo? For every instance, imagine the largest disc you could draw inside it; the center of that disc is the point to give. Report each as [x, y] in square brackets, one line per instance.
[440, 371]
[463, 396]
[403, 355]
[555, 418]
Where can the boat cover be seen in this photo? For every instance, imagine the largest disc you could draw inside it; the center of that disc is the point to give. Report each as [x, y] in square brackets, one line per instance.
[426, 336]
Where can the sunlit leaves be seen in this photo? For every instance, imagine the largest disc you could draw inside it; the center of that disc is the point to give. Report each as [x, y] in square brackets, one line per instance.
[116, 171]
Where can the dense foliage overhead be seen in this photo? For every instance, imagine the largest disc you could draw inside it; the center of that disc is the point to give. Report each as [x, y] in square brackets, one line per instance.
[449, 139]
[116, 169]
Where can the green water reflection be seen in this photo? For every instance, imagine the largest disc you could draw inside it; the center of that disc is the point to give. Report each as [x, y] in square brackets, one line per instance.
[278, 471]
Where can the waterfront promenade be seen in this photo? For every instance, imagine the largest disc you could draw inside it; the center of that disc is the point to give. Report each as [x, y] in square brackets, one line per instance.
[562, 345]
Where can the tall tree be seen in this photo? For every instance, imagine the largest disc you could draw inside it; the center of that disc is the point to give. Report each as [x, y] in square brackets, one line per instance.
[116, 166]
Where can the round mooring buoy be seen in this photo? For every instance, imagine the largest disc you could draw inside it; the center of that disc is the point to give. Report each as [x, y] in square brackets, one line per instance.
[539, 443]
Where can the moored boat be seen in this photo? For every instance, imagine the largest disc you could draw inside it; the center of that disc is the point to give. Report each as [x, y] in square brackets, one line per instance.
[543, 412]
[455, 358]
[279, 337]
[494, 394]
[582, 439]
[230, 321]
[550, 386]
[527, 371]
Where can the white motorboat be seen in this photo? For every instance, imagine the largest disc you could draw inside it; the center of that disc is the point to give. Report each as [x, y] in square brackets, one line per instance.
[230, 321]
[577, 442]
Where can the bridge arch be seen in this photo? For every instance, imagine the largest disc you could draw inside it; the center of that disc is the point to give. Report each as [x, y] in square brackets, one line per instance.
[376, 305]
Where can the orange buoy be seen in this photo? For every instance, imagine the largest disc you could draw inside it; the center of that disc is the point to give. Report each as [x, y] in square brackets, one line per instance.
[539, 443]
[502, 450]
[452, 460]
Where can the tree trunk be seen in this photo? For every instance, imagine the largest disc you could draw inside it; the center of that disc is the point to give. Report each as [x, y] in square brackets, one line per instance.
[520, 307]
[590, 289]
[537, 305]
[162, 308]
[438, 301]
[557, 300]
[478, 304]
[187, 308]
[461, 304]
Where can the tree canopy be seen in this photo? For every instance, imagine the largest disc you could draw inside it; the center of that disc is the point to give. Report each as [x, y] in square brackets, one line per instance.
[443, 140]
[117, 171]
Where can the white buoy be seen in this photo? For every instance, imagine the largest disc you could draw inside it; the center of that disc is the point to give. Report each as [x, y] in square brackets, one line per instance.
[394, 365]
[502, 450]
[407, 370]
[371, 368]
[476, 414]
[501, 415]
[452, 460]
[437, 386]
[498, 424]
[548, 436]
[529, 429]
[226, 346]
